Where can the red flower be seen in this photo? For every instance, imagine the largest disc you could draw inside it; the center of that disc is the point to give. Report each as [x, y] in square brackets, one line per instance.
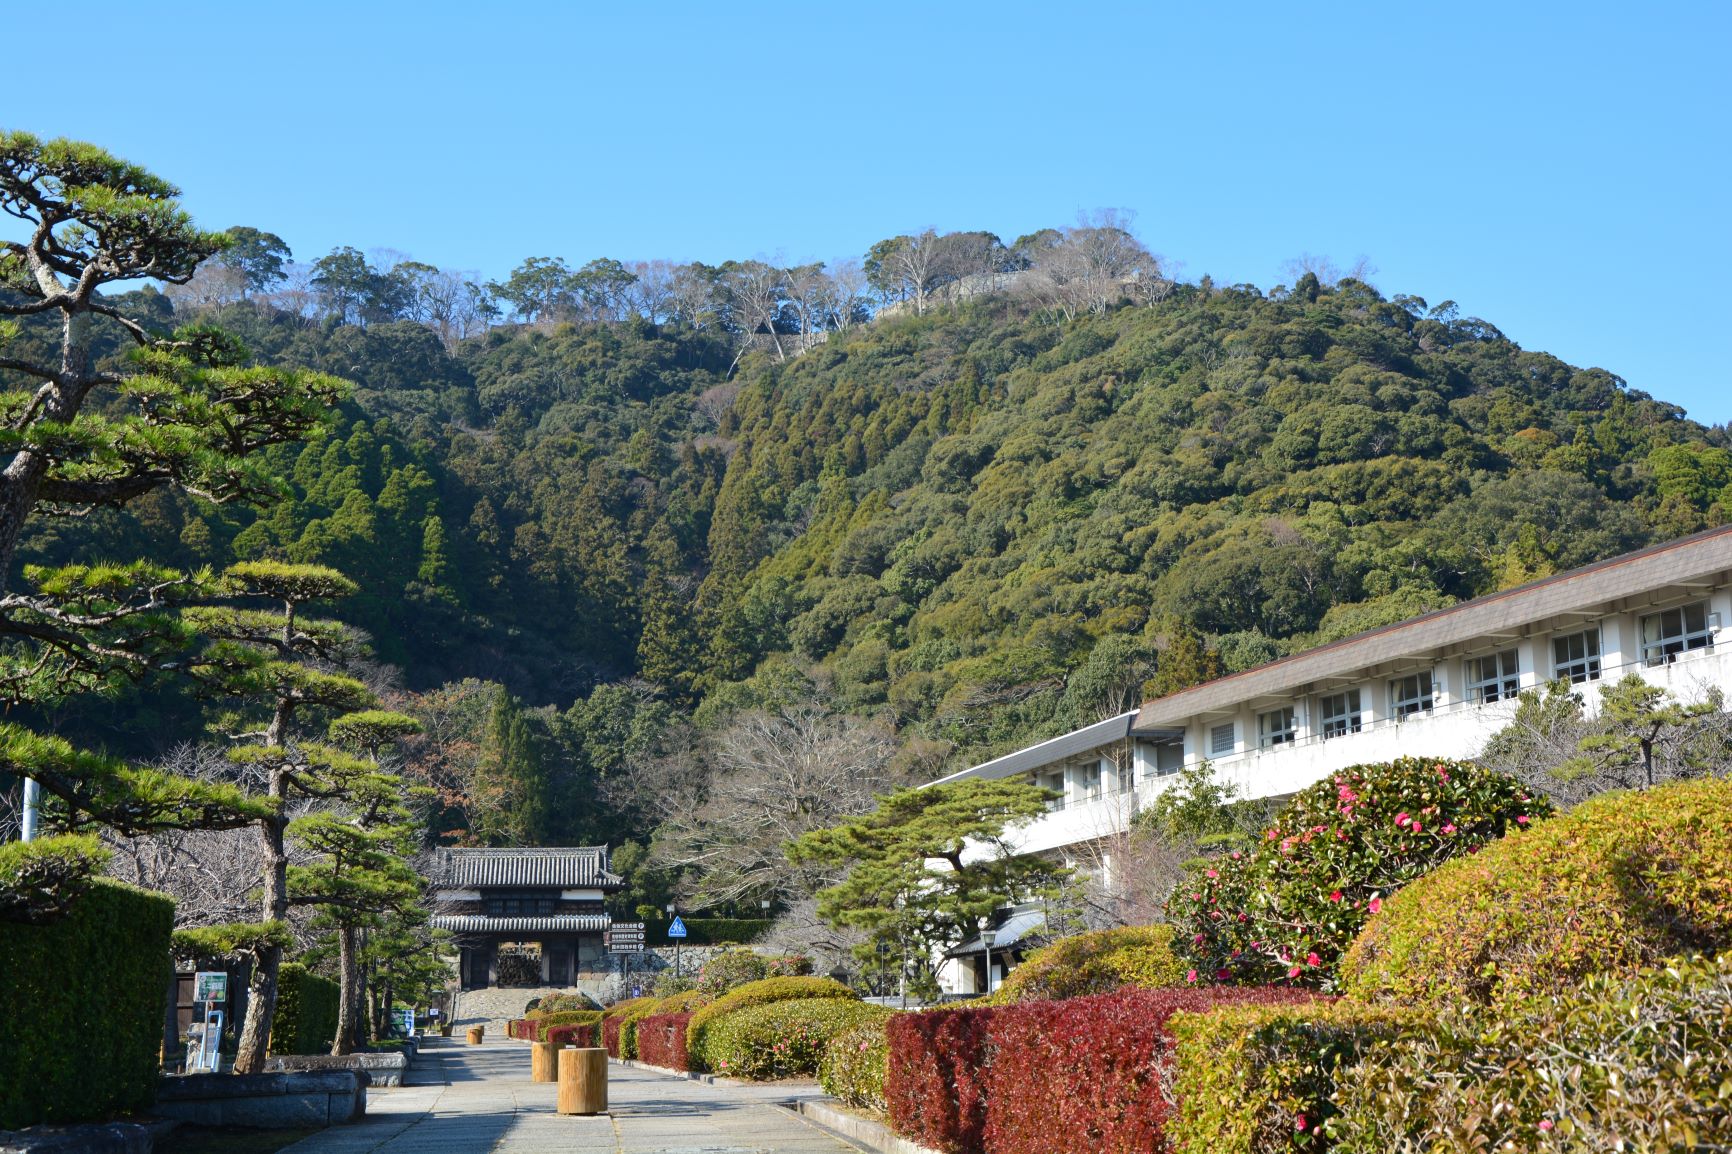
[1336, 896]
[1376, 904]
[1312, 960]
[1401, 820]
[1417, 828]
[1221, 974]
[1211, 874]
[1299, 1123]
[1191, 977]
[1294, 972]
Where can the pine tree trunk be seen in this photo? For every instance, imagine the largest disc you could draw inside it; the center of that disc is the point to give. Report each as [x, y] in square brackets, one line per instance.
[255, 1039]
[348, 993]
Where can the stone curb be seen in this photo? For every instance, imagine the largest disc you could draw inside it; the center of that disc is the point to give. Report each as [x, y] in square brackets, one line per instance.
[827, 1114]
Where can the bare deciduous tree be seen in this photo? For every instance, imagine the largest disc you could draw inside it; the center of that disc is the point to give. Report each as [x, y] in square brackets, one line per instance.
[767, 778]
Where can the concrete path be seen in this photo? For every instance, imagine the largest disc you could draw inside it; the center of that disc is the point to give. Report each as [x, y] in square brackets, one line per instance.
[472, 1099]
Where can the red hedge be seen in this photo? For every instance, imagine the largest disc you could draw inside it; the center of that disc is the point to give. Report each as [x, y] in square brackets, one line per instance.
[1079, 1076]
[520, 1028]
[610, 1028]
[580, 1035]
[661, 1041]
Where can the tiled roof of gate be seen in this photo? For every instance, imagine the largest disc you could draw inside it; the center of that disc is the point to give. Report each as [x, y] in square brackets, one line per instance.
[1704, 555]
[552, 923]
[584, 866]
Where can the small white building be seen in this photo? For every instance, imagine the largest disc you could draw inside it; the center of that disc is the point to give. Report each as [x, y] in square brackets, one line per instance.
[1439, 685]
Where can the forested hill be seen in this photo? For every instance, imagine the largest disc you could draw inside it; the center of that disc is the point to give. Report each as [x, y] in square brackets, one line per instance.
[983, 522]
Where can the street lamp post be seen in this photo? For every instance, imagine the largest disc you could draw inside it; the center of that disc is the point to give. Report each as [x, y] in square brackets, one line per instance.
[987, 937]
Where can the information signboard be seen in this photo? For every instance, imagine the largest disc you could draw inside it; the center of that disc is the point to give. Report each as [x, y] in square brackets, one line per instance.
[210, 986]
[625, 938]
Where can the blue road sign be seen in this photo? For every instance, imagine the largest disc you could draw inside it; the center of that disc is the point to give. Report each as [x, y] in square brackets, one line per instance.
[678, 929]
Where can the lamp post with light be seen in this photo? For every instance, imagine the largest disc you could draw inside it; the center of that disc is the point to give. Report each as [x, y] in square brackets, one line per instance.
[987, 937]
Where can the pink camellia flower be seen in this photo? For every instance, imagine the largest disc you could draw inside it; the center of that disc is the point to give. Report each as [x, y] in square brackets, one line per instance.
[1450, 828]
[1523, 819]
[1242, 916]
[1210, 874]
[1376, 904]
[1336, 896]
[1234, 855]
[1312, 960]
[1401, 820]
[1417, 828]
[1546, 1124]
[1191, 977]
[1221, 974]
[1198, 940]
[1294, 972]
[1196, 897]
[1300, 1123]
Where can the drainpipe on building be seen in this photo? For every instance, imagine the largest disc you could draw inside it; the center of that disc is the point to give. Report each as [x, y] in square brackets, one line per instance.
[32, 807]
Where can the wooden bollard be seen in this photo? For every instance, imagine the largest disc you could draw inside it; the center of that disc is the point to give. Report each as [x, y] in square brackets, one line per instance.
[583, 1081]
[543, 1062]
[475, 1033]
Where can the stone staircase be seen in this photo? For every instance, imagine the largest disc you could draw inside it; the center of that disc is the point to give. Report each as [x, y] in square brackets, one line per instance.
[493, 1008]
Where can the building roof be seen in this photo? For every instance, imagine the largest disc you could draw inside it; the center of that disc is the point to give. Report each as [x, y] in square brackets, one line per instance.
[1048, 752]
[1021, 923]
[1702, 558]
[478, 924]
[584, 866]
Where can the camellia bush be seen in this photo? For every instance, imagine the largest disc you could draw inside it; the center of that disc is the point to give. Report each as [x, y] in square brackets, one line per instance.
[1618, 884]
[1095, 963]
[854, 1064]
[1285, 911]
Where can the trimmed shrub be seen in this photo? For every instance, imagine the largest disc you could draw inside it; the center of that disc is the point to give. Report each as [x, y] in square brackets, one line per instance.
[1082, 1075]
[782, 1039]
[306, 1017]
[853, 1066]
[559, 1003]
[81, 1006]
[1095, 963]
[935, 1081]
[613, 1022]
[661, 1041]
[628, 1021]
[1287, 910]
[758, 994]
[581, 1034]
[540, 1027]
[1259, 1079]
[1642, 1063]
[730, 969]
[1620, 883]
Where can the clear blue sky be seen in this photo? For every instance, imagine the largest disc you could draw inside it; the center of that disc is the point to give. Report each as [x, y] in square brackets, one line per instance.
[1561, 170]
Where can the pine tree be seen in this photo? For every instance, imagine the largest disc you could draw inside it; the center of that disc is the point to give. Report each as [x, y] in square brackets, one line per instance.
[275, 666]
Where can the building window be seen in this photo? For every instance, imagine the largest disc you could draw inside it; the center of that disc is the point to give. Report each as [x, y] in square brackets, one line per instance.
[1410, 695]
[1276, 728]
[517, 906]
[1055, 782]
[1340, 713]
[1493, 678]
[1088, 781]
[1221, 740]
[1577, 657]
[1675, 631]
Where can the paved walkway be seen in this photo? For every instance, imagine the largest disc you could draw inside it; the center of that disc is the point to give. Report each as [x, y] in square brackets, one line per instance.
[472, 1099]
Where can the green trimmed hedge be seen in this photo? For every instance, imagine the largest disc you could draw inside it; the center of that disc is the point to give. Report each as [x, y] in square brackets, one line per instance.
[540, 1026]
[82, 999]
[306, 1019]
[854, 1066]
[783, 1039]
[1640, 1063]
[1617, 885]
[1095, 963]
[758, 994]
[1259, 1079]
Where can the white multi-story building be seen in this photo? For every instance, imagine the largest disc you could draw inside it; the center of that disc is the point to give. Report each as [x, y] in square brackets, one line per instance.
[1439, 685]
